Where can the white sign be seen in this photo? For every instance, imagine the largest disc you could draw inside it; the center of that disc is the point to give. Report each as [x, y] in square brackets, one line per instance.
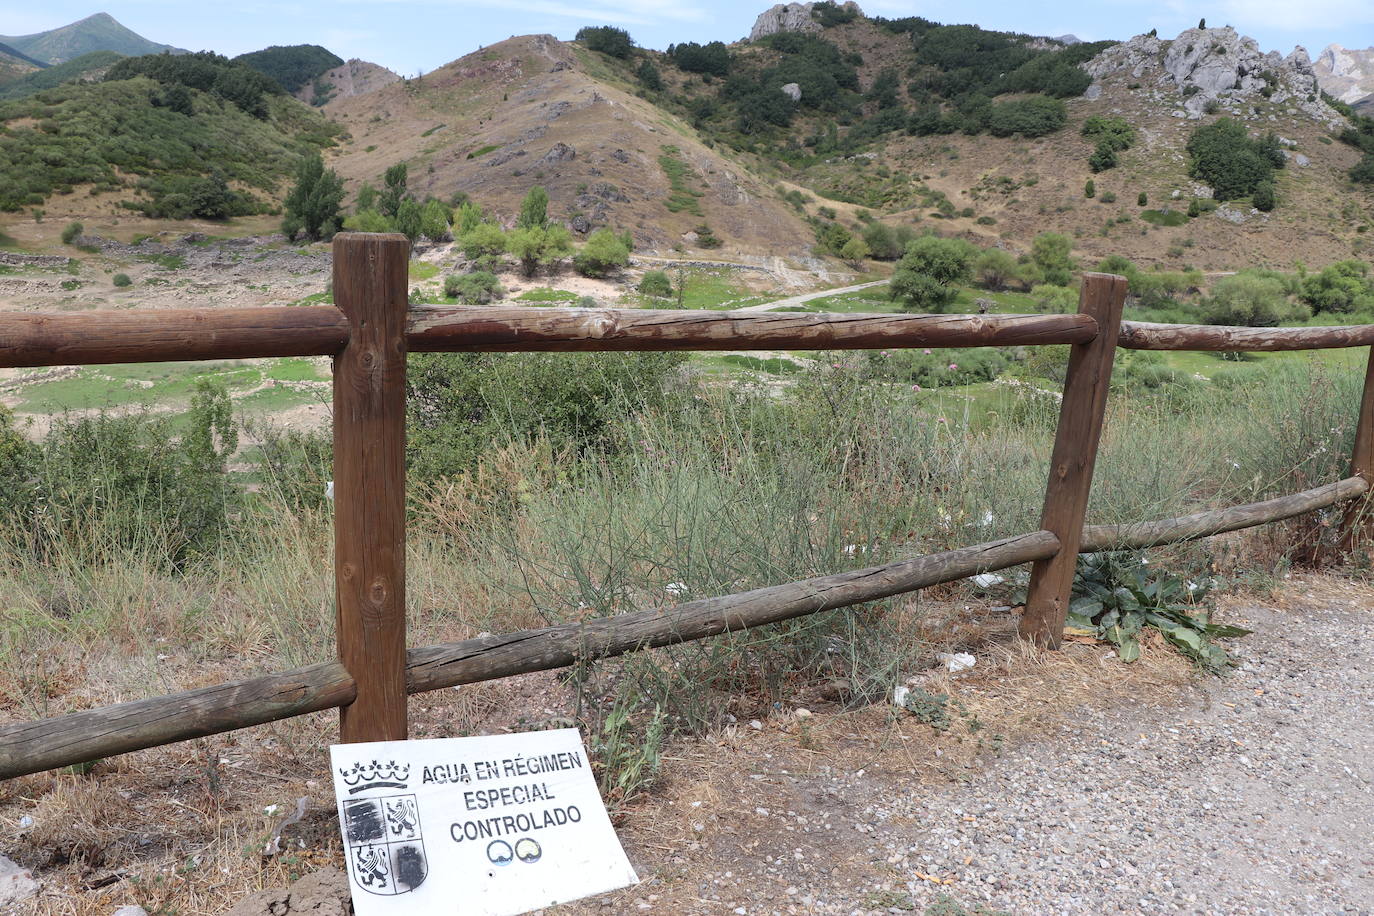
[489, 826]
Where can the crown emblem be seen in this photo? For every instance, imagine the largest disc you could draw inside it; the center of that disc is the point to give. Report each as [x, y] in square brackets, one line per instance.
[375, 775]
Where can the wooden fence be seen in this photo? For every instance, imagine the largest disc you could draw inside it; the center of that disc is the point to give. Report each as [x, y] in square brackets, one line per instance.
[369, 331]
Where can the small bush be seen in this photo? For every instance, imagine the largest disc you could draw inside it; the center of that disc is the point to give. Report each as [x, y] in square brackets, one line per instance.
[1089, 188]
[476, 288]
[1166, 217]
[656, 283]
[121, 280]
[72, 232]
[1142, 200]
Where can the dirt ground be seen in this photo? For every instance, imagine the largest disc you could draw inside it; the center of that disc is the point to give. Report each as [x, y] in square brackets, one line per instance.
[813, 808]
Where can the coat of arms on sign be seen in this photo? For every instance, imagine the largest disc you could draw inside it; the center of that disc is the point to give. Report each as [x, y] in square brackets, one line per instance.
[386, 851]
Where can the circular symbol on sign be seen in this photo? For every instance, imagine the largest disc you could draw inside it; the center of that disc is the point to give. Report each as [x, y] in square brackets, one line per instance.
[499, 852]
[528, 850]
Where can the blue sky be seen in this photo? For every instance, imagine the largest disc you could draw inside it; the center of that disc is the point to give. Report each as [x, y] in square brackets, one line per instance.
[414, 35]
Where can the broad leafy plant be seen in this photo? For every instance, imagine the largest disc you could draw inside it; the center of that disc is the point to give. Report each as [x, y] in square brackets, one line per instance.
[1117, 595]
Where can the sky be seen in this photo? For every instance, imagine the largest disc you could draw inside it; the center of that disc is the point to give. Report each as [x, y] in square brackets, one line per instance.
[413, 36]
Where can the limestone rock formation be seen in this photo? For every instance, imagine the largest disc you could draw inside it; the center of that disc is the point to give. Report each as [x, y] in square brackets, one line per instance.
[790, 17]
[785, 17]
[792, 91]
[1213, 70]
[1348, 75]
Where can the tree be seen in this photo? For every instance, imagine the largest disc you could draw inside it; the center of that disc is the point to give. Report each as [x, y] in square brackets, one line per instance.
[534, 209]
[535, 247]
[648, 76]
[409, 219]
[393, 190]
[927, 277]
[1363, 172]
[1051, 252]
[854, 251]
[469, 216]
[994, 268]
[1263, 196]
[1142, 200]
[607, 39]
[366, 199]
[313, 205]
[1089, 188]
[484, 242]
[655, 283]
[1246, 299]
[1224, 156]
[435, 217]
[603, 253]
[368, 221]
[1202, 23]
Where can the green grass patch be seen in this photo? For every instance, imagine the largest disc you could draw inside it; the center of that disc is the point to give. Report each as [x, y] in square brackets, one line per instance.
[324, 298]
[295, 369]
[547, 294]
[433, 130]
[482, 151]
[423, 270]
[1164, 217]
[165, 261]
[682, 197]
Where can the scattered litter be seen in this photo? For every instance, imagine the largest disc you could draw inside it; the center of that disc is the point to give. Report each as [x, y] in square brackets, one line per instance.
[899, 696]
[131, 911]
[25, 822]
[959, 661]
[756, 725]
[675, 588]
[987, 580]
[274, 845]
[329, 491]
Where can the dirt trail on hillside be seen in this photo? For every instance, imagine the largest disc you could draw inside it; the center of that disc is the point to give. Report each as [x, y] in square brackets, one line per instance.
[793, 301]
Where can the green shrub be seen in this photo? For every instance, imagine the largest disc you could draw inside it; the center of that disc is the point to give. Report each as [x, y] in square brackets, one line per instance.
[928, 275]
[938, 368]
[121, 280]
[71, 232]
[1089, 188]
[1108, 197]
[1249, 299]
[1142, 199]
[1224, 156]
[603, 253]
[1168, 217]
[656, 283]
[1032, 117]
[463, 405]
[476, 288]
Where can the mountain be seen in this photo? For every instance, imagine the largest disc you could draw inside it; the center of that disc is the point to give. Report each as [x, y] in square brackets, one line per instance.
[1345, 74]
[100, 32]
[537, 111]
[13, 55]
[86, 67]
[15, 66]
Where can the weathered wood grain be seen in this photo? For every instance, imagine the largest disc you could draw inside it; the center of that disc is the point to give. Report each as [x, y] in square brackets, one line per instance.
[31, 747]
[1140, 335]
[1071, 462]
[1358, 524]
[503, 328]
[370, 274]
[1206, 524]
[99, 337]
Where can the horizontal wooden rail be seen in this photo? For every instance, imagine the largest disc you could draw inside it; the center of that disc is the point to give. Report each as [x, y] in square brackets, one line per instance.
[1140, 335]
[506, 328]
[30, 747]
[91, 338]
[100, 337]
[1218, 521]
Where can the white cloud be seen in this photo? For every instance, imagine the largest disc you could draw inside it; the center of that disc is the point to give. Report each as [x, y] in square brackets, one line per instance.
[631, 12]
[1285, 14]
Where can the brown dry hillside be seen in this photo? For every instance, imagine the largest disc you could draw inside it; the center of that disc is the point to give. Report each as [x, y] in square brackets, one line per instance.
[527, 112]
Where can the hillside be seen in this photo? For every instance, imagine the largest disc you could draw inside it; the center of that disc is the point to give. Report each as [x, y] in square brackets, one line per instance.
[15, 66]
[534, 110]
[352, 78]
[1346, 74]
[171, 137]
[100, 32]
[293, 66]
[86, 67]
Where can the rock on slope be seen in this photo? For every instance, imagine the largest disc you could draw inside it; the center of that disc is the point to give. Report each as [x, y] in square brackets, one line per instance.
[537, 111]
[791, 17]
[1348, 75]
[1216, 70]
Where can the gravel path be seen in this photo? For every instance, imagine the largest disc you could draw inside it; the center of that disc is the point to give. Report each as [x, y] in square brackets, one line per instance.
[1250, 794]
[1255, 798]
[793, 301]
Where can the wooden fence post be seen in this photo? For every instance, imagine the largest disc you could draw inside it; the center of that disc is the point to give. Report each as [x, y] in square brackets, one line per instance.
[369, 482]
[1071, 463]
[1358, 521]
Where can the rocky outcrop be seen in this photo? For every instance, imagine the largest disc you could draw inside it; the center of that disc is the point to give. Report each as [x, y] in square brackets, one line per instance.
[785, 17]
[356, 77]
[791, 17]
[1348, 75]
[792, 91]
[1214, 70]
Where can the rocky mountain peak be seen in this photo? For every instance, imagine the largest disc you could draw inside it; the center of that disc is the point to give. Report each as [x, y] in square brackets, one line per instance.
[1348, 75]
[790, 17]
[1204, 70]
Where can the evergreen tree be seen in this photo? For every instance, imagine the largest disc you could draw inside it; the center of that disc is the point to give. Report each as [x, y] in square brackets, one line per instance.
[393, 190]
[534, 209]
[313, 205]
